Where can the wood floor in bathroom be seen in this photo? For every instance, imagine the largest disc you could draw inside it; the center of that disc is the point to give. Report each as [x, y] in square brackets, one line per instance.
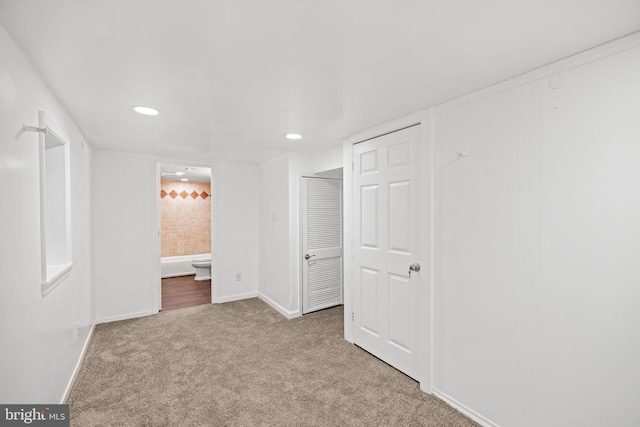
[180, 292]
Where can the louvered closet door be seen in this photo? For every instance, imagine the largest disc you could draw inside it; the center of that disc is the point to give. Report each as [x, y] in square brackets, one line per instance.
[321, 243]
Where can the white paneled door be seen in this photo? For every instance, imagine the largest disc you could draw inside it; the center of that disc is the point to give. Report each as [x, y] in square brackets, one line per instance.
[321, 243]
[386, 244]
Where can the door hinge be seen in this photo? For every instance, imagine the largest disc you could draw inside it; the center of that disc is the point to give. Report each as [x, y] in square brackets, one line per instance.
[352, 316]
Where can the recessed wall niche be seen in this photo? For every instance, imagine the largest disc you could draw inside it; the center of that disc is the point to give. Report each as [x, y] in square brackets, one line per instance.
[55, 204]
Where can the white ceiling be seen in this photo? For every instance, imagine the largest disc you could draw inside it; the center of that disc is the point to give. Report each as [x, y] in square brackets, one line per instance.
[171, 172]
[232, 77]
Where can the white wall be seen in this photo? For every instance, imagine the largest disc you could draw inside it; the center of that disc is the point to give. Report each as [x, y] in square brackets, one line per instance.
[298, 164]
[124, 230]
[327, 159]
[274, 233]
[537, 249]
[124, 221]
[280, 231]
[238, 189]
[40, 350]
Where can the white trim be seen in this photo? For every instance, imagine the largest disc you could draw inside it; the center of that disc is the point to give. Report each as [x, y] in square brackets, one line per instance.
[286, 313]
[602, 51]
[215, 206]
[76, 370]
[423, 118]
[56, 278]
[127, 316]
[52, 276]
[347, 250]
[237, 297]
[42, 199]
[464, 409]
[432, 259]
[300, 258]
[49, 125]
[427, 201]
[391, 126]
[295, 233]
[157, 250]
[301, 176]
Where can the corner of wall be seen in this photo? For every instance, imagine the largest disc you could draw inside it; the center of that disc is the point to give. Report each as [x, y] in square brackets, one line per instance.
[44, 331]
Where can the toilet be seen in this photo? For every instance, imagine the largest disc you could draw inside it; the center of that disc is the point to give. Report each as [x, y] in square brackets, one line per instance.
[203, 268]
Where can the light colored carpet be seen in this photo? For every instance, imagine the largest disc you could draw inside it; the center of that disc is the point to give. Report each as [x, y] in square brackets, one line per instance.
[243, 364]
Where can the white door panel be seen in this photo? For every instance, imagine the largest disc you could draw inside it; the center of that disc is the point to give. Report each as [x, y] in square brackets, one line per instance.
[386, 242]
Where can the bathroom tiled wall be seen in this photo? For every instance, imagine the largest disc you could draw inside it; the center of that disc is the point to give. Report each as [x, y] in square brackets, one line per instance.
[186, 218]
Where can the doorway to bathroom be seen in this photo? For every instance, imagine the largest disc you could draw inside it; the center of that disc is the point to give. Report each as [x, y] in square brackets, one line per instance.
[185, 211]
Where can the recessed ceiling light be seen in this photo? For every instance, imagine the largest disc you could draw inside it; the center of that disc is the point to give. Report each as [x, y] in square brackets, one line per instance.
[293, 136]
[147, 111]
[179, 173]
[184, 179]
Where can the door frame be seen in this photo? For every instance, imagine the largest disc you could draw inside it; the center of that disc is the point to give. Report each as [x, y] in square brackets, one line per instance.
[301, 251]
[426, 316]
[156, 294]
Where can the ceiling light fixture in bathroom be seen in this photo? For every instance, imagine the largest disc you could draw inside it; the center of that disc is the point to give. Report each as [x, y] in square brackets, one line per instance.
[293, 136]
[147, 111]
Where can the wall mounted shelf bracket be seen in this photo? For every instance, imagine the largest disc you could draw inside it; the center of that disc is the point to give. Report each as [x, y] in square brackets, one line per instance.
[34, 129]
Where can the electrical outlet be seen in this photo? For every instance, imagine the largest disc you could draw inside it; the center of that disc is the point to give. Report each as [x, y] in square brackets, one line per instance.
[238, 277]
[77, 331]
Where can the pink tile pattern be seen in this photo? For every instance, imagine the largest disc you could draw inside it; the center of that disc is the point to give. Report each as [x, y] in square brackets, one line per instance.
[185, 220]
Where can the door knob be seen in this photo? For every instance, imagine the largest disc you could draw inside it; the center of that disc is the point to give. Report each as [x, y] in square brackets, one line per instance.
[307, 256]
[414, 267]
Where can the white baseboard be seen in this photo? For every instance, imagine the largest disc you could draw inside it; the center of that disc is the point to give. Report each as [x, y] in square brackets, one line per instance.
[286, 313]
[83, 353]
[125, 316]
[237, 297]
[465, 410]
